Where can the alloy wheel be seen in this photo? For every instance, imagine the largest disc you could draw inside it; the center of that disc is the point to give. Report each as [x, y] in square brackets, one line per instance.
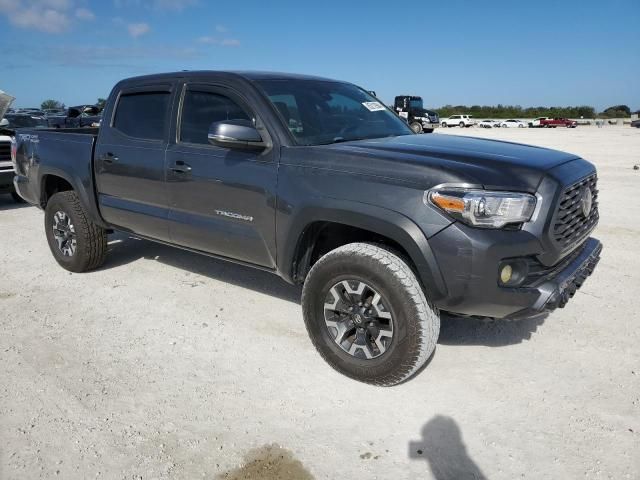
[358, 319]
[65, 234]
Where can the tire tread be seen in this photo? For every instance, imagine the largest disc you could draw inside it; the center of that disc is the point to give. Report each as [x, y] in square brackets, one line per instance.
[428, 324]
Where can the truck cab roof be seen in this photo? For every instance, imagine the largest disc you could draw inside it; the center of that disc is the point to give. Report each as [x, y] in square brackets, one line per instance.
[245, 74]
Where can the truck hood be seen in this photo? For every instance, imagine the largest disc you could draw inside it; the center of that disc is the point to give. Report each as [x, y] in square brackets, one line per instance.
[435, 159]
[5, 103]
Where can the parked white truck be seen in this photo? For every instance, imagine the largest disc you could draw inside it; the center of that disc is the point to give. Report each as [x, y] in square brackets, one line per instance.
[7, 150]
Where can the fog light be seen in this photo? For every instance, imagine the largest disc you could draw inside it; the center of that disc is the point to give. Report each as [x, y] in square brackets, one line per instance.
[505, 274]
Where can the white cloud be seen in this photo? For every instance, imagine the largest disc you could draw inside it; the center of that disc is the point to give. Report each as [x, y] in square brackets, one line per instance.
[138, 29]
[131, 56]
[156, 4]
[207, 40]
[230, 42]
[85, 14]
[221, 29]
[49, 16]
[173, 4]
[225, 42]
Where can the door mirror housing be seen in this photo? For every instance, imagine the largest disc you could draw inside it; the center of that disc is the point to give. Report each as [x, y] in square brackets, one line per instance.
[238, 134]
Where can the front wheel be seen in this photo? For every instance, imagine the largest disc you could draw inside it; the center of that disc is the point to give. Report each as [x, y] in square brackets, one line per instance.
[367, 315]
[444, 124]
[76, 243]
[416, 127]
[461, 124]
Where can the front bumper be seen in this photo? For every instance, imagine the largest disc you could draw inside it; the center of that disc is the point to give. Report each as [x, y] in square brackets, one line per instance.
[429, 125]
[470, 259]
[6, 181]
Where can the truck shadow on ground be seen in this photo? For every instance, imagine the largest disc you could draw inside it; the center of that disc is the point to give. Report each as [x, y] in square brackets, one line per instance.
[8, 203]
[489, 333]
[125, 249]
[442, 447]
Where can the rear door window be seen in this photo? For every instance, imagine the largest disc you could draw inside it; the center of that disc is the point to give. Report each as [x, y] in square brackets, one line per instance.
[142, 115]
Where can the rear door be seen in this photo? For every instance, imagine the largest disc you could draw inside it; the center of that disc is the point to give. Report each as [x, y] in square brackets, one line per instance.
[130, 161]
[222, 201]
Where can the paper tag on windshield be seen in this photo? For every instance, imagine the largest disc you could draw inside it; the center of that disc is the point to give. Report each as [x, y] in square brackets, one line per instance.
[373, 106]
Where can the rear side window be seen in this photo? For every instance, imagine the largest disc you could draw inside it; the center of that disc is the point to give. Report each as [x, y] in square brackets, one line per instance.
[201, 109]
[142, 115]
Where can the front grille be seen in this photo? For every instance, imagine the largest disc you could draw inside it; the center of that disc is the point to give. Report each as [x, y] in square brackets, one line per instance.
[5, 152]
[570, 223]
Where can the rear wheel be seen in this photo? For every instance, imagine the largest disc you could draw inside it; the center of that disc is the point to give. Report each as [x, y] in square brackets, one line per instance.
[416, 127]
[367, 315]
[76, 243]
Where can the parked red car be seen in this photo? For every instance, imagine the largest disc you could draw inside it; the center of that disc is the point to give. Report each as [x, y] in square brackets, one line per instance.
[558, 122]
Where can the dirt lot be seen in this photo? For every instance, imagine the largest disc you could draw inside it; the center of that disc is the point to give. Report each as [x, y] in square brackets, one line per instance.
[165, 364]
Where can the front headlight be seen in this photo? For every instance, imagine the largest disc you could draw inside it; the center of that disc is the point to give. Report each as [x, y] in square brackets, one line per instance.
[482, 208]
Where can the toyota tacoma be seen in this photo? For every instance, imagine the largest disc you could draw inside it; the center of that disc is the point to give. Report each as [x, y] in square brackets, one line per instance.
[318, 182]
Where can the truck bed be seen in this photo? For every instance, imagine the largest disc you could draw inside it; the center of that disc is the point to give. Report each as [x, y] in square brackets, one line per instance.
[67, 153]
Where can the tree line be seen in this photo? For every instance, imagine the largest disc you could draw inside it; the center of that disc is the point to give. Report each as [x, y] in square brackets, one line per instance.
[516, 111]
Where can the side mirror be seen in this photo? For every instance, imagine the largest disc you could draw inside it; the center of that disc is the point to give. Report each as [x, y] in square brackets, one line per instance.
[239, 134]
[4, 122]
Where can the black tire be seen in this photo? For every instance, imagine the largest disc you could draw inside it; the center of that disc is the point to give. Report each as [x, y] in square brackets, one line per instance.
[461, 125]
[17, 198]
[416, 323]
[444, 125]
[91, 239]
[416, 127]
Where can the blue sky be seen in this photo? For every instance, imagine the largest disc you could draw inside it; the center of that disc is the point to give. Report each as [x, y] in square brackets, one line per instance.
[571, 52]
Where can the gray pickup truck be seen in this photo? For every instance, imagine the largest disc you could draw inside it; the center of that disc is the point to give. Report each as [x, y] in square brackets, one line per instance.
[318, 182]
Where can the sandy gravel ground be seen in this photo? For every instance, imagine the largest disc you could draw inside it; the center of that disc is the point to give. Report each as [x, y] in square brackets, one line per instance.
[165, 364]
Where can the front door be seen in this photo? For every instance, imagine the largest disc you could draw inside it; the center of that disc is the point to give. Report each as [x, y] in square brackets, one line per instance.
[222, 201]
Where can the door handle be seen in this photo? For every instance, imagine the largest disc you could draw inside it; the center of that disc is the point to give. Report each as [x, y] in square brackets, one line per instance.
[109, 158]
[181, 167]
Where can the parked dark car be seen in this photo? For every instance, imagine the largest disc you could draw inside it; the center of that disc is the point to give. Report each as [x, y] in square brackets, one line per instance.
[77, 117]
[23, 120]
[636, 123]
[36, 112]
[316, 181]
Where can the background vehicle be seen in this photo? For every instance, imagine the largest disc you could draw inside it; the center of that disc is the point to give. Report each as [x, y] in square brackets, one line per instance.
[635, 123]
[537, 122]
[511, 123]
[23, 120]
[77, 117]
[36, 112]
[459, 121]
[7, 150]
[488, 123]
[411, 108]
[546, 122]
[559, 122]
[318, 182]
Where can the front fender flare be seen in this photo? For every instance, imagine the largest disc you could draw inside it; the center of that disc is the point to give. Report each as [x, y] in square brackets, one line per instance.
[378, 220]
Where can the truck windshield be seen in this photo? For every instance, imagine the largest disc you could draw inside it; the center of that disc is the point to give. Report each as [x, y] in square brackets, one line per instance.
[416, 103]
[322, 112]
